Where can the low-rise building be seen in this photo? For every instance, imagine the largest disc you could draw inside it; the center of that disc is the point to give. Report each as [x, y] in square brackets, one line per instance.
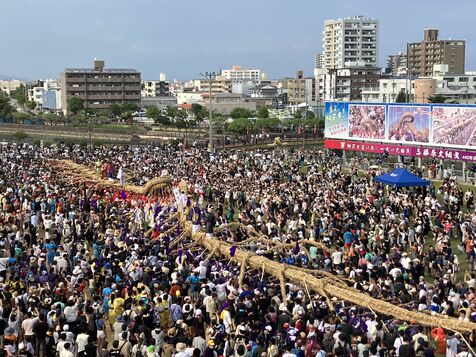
[155, 88]
[455, 88]
[347, 84]
[100, 87]
[387, 91]
[301, 90]
[239, 74]
[188, 97]
[8, 86]
[219, 85]
[37, 90]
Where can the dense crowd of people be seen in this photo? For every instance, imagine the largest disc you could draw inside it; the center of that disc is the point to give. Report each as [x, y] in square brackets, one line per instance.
[88, 270]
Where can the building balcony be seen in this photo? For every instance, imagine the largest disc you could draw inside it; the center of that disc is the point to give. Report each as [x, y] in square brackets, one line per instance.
[105, 97]
[105, 80]
[370, 89]
[80, 88]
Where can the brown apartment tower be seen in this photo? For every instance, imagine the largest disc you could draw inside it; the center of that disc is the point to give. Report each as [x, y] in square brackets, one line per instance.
[100, 87]
[421, 56]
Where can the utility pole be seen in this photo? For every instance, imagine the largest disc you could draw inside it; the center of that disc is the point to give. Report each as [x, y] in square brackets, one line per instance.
[90, 134]
[210, 76]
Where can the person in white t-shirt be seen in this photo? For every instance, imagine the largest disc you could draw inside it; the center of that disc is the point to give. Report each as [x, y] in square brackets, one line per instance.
[337, 257]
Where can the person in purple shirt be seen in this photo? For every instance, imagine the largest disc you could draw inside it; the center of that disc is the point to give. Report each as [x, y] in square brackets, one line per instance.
[196, 217]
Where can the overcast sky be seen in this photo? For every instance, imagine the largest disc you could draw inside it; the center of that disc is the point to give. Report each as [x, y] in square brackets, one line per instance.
[185, 37]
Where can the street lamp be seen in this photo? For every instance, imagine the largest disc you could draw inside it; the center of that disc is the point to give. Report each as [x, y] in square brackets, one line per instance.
[210, 76]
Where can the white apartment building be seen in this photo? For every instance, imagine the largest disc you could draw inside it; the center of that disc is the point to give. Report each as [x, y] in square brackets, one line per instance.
[35, 93]
[154, 88]
[387, 90]
[189, 97]
[351, 39]
[239, 74]
[318, 59]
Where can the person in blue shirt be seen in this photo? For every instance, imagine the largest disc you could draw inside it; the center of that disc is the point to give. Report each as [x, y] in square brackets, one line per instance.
[348, 236]
[51, 249]
[194, 281]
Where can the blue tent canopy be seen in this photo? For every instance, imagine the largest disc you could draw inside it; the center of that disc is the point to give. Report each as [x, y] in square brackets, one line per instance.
[401, 178]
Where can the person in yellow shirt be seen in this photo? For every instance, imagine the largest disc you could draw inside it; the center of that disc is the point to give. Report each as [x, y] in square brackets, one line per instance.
[117, 308]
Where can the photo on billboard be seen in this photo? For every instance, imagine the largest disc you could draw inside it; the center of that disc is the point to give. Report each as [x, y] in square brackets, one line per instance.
[454, 126]
[409, 123]
[336, 120]
[367, 121]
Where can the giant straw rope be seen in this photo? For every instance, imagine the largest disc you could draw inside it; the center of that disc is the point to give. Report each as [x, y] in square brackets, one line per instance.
[320, 282]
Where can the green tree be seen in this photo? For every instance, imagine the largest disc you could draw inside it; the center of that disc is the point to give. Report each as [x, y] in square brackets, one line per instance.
[163, 120]
[199, 111]
[263, 112]
[6, 109]
[401, 96]
[52, 118]
[239, 112]
[310, 115]
[20, 135]
[268, 123]
[80, 119]
[152, 112]
[129, 107]
[19, 117]
[75, 105]
[30, 104]
[438, 98]
[298, 114]
[102, 119]
[240, 125]
[115, 110]
[19, 95]
[127, 116]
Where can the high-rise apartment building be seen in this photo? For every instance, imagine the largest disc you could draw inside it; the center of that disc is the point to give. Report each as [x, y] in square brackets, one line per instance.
[397, 65]
[421, 56]
[318, 59]
[100, 87]
[352, 39]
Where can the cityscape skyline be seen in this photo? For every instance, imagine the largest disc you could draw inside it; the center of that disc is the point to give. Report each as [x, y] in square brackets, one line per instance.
[183, 38]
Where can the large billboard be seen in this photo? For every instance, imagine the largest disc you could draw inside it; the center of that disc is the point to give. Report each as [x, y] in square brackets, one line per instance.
[367, 121]
[454, 125]
[337, 121]
[436, 125]
[409, 123]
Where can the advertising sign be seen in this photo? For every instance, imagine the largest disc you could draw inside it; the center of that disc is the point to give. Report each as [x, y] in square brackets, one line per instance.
[336, 121]
[367, 121]
[405, 150]
[409, 123]
[436, 125]
[454, 125]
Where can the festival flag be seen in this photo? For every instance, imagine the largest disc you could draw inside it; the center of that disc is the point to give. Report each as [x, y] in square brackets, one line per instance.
[232, 251]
